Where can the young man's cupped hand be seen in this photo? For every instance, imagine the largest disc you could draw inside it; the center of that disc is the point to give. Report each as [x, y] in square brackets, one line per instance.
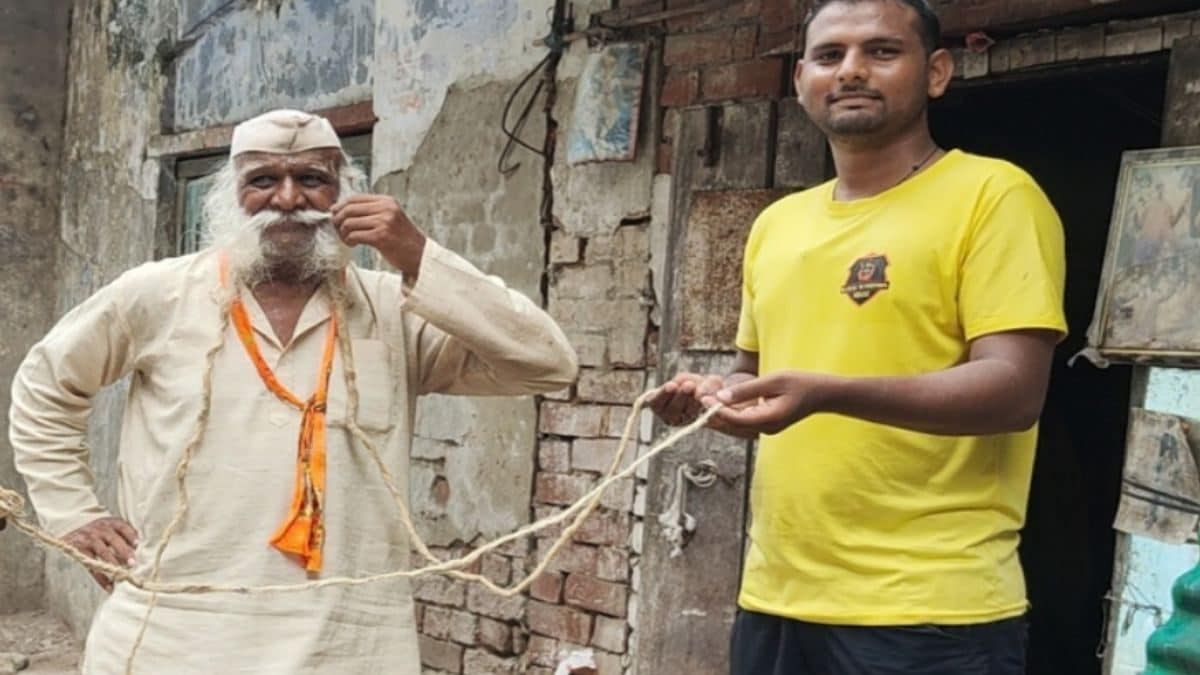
[750, 406]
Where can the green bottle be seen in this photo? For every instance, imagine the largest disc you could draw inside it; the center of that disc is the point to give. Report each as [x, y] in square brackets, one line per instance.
[1174, 649]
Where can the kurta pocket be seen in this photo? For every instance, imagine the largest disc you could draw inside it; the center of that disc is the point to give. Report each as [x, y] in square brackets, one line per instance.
[373, 381]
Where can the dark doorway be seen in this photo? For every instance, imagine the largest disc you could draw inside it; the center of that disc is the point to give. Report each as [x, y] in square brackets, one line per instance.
[1068, 128]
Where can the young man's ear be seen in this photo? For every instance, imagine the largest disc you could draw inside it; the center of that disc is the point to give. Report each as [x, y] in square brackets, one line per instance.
[796, 73]
[941, 72]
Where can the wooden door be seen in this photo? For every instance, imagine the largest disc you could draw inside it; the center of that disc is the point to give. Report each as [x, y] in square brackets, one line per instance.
[730, 162]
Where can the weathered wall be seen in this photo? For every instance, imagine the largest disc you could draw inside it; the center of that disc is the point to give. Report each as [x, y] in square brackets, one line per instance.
[33, 63]
[443, 74]
[236, 57]
[109, 203]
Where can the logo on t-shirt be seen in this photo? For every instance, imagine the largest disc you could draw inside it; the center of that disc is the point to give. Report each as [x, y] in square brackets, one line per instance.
[868, 276]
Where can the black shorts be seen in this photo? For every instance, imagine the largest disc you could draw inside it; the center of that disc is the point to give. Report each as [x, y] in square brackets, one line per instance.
[770, 645]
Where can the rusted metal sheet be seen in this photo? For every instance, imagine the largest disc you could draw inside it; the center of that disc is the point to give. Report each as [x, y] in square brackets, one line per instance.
[732, 145]
[1145, 568]
[690, 598]
[1161, 484]
[711, 265]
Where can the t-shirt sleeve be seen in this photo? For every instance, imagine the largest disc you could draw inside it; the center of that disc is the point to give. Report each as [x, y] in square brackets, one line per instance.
[747, 331]
[1013, 268]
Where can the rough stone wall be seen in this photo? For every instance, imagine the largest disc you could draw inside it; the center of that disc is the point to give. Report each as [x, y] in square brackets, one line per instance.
[33, 63]
[109, 209]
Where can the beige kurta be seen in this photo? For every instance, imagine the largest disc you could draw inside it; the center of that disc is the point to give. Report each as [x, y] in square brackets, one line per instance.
[454, 331]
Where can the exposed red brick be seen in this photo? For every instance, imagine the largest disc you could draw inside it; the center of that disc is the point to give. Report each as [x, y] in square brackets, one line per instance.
[566, 419]
[495, 635]
[557, 488]
[618, 496]
[440, 655]
[547, 587]
[780, 41]
[610, 634]
[745, 41]
[616, 386]
[559, 621]
[449, 624]
[607, 663]
[571, 558]
[606, 528]
[680, 87]
[542, 650]
[517, 548]
[597, 454]
[612, 564]
[614, 424]
[736, 10]
[554, 456]
[595, 595]
[781, 14]
[496, 568]
[439, 590]
[482, 601]
[694, 49]
[520, 639]
[542, 512]
[480, 662]
[744, 79]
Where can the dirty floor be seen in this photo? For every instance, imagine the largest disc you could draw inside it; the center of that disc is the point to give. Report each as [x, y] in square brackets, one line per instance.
[45, 640]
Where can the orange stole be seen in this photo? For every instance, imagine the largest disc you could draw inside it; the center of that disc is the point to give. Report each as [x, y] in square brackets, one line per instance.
[303, 531]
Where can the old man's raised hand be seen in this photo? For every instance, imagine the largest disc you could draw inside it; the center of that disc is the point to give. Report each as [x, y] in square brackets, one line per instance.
[378, 221]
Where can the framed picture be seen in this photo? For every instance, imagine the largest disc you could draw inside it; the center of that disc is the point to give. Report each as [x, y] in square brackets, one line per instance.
[1148, 307]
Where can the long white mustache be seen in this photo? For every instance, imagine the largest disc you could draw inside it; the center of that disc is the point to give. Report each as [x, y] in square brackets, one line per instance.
[254, 257]
[269, 217]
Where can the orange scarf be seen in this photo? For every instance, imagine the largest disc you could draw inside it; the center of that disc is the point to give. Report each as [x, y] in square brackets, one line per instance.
[303, 532]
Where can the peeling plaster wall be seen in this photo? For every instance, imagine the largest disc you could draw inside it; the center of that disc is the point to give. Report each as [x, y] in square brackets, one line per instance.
[444, 71]
[241, 60]
[33, 63]
[426, 46]
[473, 458]
[109, 203]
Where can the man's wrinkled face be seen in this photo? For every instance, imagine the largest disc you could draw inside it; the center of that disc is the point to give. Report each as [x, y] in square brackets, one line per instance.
[293, 192]
[865, 70]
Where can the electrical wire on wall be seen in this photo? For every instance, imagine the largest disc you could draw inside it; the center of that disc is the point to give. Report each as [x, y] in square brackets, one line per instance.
[561, 23]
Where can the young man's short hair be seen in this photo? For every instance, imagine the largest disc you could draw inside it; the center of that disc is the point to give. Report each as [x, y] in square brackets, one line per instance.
[928, 24]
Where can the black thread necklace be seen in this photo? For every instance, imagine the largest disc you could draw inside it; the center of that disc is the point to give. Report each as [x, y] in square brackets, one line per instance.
[917, 167]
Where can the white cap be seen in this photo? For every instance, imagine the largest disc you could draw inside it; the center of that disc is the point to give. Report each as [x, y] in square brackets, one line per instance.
[283, 132]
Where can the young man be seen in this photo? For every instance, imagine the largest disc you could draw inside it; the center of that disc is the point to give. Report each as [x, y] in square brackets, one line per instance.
[896, 335]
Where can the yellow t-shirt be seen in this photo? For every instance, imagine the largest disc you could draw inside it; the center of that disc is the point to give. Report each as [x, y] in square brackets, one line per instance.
[863, 524]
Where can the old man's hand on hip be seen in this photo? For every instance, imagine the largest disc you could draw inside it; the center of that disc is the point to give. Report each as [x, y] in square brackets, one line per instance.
[109, 539]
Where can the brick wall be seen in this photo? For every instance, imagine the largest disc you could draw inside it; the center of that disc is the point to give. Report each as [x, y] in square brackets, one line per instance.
[601, 294]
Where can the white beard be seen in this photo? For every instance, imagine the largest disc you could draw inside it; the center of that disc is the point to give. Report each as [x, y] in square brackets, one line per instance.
[253, 258]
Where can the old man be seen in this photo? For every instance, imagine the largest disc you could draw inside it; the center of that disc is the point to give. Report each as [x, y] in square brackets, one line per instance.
[251, 364]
